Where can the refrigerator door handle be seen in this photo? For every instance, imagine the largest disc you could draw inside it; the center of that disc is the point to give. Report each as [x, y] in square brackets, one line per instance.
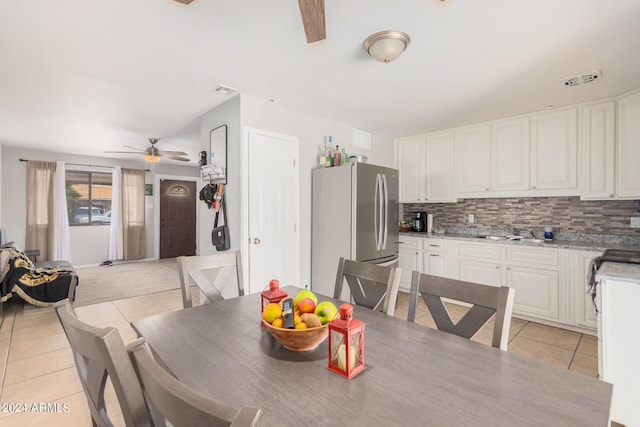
[385, 231]
[376, 213]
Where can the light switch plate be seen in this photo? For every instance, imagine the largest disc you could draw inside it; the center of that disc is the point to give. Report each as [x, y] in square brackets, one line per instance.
[635, 222]
[472, 218]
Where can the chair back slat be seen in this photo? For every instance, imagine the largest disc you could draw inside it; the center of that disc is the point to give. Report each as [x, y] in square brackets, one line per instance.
[372, 286]
[177, 403]
[487, 302]
[99, 353]
[213, 274]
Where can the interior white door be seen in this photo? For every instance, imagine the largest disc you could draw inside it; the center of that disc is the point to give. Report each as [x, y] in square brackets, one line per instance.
[273, 231]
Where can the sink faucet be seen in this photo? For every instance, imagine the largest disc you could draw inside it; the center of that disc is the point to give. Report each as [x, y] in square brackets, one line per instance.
[532, 234]
[516, 232]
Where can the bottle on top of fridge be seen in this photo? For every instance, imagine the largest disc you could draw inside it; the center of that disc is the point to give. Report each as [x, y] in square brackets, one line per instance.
[330, 159]
[343, 157]
[336, 158]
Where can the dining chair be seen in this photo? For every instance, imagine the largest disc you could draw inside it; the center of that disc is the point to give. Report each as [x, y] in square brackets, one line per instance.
[100, 353]
[213, 274]
[486, 301]
[171, 400]
[372, 286]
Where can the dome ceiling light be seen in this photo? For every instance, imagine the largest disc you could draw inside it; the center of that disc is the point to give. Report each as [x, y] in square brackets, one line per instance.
[386, 46]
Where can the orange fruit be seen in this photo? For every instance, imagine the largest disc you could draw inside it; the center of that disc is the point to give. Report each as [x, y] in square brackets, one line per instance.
[277, 323]
[272, 312]
[301, 325]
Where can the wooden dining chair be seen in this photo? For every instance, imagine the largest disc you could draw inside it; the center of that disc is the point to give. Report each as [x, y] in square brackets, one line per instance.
[171, 400]
[100, 353]
[486, 302]
[214, 275]
[372, 286]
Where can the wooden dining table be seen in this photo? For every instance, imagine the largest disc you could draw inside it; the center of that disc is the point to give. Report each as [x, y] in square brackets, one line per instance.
[414, 376]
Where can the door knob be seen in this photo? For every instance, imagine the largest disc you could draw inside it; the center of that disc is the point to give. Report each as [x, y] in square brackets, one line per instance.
[256, 241]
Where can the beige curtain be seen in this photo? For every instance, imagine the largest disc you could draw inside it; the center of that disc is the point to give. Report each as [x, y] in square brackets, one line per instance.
[40, 228]
[134, 238]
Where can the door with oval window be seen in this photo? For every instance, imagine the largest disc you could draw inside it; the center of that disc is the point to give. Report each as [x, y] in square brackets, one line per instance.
[177, 218]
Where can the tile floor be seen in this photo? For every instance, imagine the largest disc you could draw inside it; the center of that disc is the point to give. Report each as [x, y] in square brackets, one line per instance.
[39, 365]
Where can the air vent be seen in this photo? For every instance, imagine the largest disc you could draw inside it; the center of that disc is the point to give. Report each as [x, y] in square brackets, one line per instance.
[580, 79]
[226, 90]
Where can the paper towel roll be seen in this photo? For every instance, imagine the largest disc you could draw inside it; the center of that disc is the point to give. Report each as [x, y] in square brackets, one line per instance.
[429, 223]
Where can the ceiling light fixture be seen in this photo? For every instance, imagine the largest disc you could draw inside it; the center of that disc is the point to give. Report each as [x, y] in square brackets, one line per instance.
[386, 46]
[151, 158]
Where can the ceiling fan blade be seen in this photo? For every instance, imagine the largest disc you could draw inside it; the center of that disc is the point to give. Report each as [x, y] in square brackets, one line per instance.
[172, 153]
[134, 148]
[182, 159]
[184, 1]
[312, 12]
[121, 152]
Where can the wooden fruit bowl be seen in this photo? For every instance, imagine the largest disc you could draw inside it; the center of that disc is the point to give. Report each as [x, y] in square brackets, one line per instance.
[299, 339]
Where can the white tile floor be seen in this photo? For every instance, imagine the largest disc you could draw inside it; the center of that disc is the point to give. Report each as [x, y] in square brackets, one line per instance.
[40, 367]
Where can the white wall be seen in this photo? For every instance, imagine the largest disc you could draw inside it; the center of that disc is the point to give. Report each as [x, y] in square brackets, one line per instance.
[311, 131]
[89, 245]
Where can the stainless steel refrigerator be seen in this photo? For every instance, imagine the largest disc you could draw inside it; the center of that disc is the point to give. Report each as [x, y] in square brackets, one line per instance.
[354, 215]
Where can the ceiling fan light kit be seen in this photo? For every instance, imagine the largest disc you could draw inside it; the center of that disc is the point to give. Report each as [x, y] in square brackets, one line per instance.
[152, 154]
[386, 46]
[151, 158]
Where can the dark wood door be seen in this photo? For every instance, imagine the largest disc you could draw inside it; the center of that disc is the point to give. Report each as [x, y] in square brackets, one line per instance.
[177, 218]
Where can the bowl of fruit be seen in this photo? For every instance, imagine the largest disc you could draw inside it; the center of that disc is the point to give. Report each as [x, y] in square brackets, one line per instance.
[310, 321]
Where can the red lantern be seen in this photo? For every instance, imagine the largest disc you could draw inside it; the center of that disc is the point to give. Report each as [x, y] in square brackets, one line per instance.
[346, 344]
[274, 294]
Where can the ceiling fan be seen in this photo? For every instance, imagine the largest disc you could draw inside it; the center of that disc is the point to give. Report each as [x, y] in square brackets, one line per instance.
[312, 12]
[152, 154]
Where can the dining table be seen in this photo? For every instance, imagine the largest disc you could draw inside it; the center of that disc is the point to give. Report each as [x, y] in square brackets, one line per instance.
[414, 375]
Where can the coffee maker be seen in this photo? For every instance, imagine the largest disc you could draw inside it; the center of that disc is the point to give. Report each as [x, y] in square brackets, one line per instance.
[420, 222]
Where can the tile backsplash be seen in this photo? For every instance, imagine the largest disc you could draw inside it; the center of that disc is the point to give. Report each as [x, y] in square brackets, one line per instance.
[567, 215]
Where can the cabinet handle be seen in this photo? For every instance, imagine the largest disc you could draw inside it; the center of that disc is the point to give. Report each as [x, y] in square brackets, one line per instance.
[497, 266]
[610, 195]
[533, 187]
[434, 255]
[509, 268]
[486, 189]
[435, 246]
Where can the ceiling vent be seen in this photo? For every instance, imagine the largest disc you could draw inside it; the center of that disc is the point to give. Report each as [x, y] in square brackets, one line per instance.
[585, 78]
[226, 90]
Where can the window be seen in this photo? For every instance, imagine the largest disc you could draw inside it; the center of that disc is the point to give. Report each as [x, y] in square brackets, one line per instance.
[88, 198]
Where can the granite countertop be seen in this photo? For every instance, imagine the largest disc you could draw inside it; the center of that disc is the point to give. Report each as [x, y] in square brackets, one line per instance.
[619, 271]
[560, 243]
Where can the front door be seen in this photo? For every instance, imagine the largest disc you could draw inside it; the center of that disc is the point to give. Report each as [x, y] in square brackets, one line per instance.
[272, 210]
[177, 218]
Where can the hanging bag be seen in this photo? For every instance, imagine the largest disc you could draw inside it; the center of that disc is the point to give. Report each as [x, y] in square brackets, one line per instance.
[220, 234]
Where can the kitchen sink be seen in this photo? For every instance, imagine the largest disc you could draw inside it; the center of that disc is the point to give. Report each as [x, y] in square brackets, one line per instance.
[492, 237]
[530, 240]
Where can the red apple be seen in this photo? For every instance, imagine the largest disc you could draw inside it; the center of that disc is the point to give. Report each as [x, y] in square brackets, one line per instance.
[306, 305]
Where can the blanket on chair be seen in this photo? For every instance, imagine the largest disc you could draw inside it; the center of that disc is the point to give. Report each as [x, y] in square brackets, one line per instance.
[40, 286]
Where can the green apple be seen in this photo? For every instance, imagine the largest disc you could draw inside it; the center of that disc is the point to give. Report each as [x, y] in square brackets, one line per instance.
[326, 311]
[305, 293]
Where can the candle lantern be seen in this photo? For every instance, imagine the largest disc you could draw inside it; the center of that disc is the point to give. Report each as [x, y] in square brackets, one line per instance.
[346, 344]
[274, 294]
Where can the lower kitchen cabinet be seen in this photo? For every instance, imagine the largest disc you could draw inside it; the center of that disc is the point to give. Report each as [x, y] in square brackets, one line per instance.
[537, 291]
[485, 273]
[409, 259]
[435, 258]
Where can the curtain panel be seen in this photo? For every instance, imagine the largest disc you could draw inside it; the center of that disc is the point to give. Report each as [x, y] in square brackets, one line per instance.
[133, 214]
[40, 210]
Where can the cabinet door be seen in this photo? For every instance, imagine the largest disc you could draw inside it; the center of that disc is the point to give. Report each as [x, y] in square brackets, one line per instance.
[473, 148]
[410, 163]
[485, 273]
[510, 155]
[598, 142]
[628, 148]
[554, 151]
[435, 263]
[536, 291]
[408, 261]
[440, 168]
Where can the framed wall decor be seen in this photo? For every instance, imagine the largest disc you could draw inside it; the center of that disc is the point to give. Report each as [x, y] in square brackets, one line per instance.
[148, 189]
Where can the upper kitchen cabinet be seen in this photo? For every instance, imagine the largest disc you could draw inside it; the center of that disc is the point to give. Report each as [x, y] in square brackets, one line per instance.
[410, 163]
[510, 155]
[473, 155]
[628, 148]
[598, 151]
[426, 164]
[440, 168]
[554, 152]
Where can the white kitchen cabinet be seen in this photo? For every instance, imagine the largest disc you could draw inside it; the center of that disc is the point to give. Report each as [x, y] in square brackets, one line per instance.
[409, 259]
[483, 272]
[554, 152]
[473, 157]
[628, 148]
[427, 168]
[537, 291]
[510, 155]
[410, 164]
[435, 258]
[598, 151]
